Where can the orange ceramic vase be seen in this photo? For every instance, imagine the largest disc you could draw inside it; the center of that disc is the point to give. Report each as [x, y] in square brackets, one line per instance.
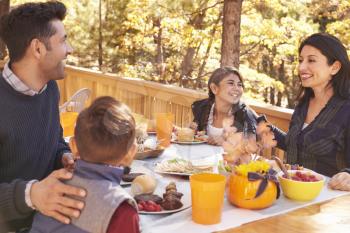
[242, 192]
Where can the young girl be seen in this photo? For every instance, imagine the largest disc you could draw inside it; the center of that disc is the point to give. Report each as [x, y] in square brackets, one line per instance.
[224, 106]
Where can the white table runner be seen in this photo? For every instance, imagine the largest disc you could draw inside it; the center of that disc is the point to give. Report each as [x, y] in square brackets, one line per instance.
[232, 216]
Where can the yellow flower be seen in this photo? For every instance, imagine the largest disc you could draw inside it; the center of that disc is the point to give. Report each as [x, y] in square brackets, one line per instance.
[254, 166]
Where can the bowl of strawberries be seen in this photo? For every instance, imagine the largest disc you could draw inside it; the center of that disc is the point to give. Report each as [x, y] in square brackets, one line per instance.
[301, 185]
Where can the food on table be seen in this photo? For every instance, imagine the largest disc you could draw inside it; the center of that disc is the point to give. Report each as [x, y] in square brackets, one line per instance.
[224, 167]
[154, 203]
[171, 203]
[148, 197]
[178, 165]
[201, 133]
[149, 206]
[143, 184]
[185, 135]
[304, 177]
[304, 185]
[171, 198]
[173, 193]
[171, 189]
[253, 185]
[293, 167]
[130, 177]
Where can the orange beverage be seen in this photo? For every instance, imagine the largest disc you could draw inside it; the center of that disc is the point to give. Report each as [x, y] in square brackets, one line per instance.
[207, 192]
[68, 120]
[164, 128]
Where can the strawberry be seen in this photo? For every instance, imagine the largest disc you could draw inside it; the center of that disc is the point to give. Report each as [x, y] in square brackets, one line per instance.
[150, 208]
[151, 203]
[140, 207]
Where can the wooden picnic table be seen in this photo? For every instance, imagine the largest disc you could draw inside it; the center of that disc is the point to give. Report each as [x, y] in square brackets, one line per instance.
[330, 216]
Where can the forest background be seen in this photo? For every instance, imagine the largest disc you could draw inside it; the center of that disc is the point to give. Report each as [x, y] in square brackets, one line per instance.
[180, 42]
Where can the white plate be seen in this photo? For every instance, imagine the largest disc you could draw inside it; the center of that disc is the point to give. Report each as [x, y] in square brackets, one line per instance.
[174, 173]
[181, 187]
[188, 143]
[123, 183]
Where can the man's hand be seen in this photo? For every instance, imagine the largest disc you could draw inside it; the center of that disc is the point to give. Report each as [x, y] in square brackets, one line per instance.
[49, 197]
[340, 181]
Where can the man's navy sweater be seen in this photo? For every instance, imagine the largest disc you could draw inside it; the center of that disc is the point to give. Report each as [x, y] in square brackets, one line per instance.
[31, 147]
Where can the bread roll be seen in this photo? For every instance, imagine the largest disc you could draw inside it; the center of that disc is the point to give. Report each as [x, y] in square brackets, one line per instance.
[144, 184]
[185, 135]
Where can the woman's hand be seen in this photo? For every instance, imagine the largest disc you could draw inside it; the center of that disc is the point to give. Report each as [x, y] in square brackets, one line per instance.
[340, 181]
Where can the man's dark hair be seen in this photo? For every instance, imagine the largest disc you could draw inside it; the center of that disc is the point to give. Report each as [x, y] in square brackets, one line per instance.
[105, 131]
[27, 22]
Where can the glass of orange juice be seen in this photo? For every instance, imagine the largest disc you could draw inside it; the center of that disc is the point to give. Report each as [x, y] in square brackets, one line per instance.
[207, 192]
[164, 128]
[68, 120]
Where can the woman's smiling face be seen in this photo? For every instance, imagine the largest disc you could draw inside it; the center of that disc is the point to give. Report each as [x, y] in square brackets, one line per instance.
[314, 70]
[229, 90]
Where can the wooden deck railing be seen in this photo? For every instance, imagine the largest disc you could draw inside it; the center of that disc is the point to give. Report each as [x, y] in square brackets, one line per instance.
[148, 98]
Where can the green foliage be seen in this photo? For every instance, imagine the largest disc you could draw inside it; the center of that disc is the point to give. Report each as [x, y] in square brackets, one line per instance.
[151, 39]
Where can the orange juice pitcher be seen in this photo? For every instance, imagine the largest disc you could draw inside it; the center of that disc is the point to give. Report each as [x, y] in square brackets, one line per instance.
[164, 128]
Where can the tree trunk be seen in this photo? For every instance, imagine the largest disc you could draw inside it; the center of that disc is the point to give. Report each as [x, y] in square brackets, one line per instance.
[207, 52]
[281, 78]
[231, 33]
[187, 67]
[100, 39]
[160, 65]
[4, 8]
[187, 64]
[272, 95]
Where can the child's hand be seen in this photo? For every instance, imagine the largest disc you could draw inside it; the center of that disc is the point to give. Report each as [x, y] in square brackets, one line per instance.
[68, 161]
[268, 140]
[263, 127]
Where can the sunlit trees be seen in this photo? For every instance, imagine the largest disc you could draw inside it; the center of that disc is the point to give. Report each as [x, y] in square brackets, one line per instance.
[181, 42]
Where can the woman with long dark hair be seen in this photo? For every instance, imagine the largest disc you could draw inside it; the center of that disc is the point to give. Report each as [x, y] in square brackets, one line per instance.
[319, 132]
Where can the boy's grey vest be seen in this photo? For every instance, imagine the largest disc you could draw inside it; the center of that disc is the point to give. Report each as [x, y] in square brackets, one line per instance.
[103, 198]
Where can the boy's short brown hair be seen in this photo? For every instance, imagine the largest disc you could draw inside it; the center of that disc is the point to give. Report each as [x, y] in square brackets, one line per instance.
[105, 131]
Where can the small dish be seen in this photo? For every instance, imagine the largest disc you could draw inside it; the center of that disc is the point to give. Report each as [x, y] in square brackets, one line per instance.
[149, 153]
